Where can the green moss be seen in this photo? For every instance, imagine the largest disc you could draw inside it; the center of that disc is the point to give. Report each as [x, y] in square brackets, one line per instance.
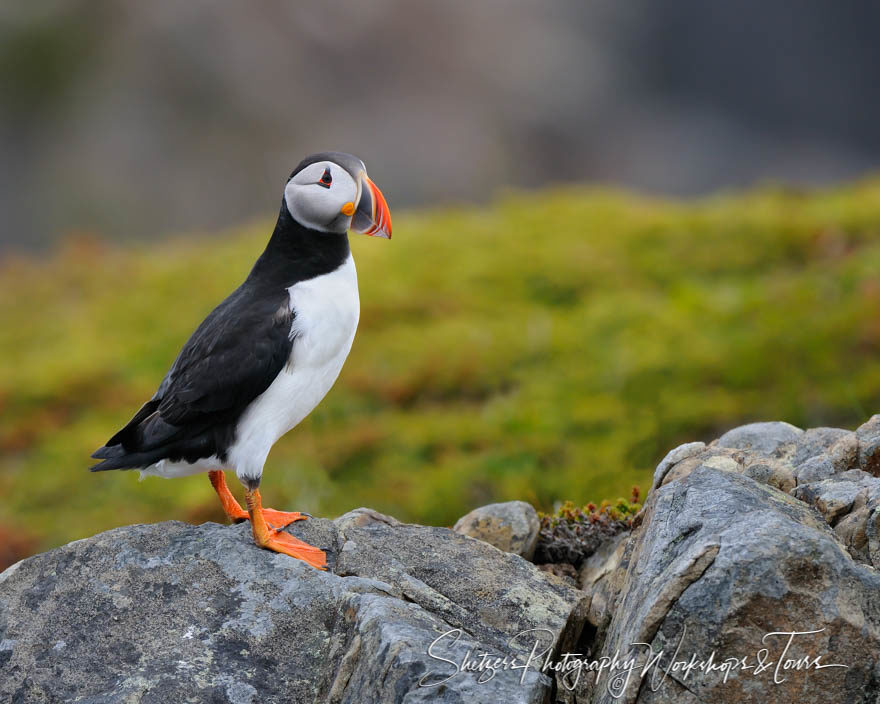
[554, 345]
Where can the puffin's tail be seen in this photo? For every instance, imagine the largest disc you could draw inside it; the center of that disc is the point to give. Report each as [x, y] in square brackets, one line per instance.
[116, 457]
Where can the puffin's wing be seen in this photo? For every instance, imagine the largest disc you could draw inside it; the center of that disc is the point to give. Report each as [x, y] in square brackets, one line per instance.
[231, 358]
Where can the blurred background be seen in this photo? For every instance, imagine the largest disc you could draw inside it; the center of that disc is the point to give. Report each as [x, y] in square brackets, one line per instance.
[618, 226]
[137, 119]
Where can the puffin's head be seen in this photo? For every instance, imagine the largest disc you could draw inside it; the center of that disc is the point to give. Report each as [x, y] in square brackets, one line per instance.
[331, 192]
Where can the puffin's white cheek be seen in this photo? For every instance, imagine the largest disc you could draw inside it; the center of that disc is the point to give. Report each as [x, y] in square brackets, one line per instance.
[311, 205]
[319, 205]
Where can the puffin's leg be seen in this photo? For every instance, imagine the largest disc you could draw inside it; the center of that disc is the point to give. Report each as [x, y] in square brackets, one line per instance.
[231, 507]
[272, 539]
[236, 513]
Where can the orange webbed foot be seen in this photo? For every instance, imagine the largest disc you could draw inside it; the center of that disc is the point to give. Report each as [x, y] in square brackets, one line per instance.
[285, 543]
[274, 539]
[281, 519]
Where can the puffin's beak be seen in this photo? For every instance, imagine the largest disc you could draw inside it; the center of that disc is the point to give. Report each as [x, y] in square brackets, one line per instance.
[371, 217]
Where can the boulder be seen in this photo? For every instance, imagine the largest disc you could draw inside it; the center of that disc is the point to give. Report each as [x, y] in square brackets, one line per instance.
[849, 502]
[674, 457]
[775, 471]
[777, 454]
[817, 441]
[763, 438]
[718, 562]
[840, 494]
[823, 452]
[869, 446]
[511, 526]
[173, 612]
[602, 577]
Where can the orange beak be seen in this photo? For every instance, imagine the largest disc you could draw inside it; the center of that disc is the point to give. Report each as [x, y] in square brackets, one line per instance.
[372, 217]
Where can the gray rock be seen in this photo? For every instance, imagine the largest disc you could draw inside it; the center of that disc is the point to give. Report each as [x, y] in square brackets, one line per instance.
[822, 452]
[814, 469]
[872, 532]
[869, 446]
[673, 457]
[173, 612]
[601, 578]
[852, 531]
[718, 562]
[765, 439]
[777, 473]
[844, 453]
[837, 496]
[512, 526]
[816, 441]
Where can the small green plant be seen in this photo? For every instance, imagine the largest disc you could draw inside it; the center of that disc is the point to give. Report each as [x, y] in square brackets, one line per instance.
[573, 533]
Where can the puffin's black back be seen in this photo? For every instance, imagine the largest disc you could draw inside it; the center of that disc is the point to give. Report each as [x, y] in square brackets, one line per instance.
[231, 358]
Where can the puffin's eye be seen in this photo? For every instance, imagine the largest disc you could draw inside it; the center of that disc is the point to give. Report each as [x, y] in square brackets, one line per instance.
[326, 179]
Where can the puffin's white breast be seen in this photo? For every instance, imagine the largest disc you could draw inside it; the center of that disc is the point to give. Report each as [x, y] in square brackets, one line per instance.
[326, 311]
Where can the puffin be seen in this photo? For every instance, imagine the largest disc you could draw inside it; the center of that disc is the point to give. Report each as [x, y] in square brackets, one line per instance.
[267, 355]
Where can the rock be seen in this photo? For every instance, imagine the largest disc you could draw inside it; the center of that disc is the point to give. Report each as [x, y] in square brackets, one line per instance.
[814, 469]
[173, 612]
[512, 526]
[601, 577]
[776, 473]
[561, 570]
[721, 560]
[872, 532]
[762, 438]
[822, 452]
[851, 530]
[837, 496]
[849, 502]
[776, 454]
[844, 453]
[722, 459]
[869, 446]
[816, 441]
[673, 457]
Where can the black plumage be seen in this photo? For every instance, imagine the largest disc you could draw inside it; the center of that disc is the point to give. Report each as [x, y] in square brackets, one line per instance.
[231, 358]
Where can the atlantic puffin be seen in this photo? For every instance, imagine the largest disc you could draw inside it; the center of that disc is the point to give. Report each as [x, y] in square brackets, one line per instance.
[267, 355]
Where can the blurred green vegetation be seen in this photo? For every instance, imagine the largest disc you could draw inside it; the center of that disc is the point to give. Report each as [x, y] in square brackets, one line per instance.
[551, 346]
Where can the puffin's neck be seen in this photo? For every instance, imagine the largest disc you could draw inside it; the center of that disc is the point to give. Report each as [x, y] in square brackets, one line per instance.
[297, 253]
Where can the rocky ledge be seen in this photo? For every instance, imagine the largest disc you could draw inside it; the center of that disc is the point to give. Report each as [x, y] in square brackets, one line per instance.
[750, 575]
